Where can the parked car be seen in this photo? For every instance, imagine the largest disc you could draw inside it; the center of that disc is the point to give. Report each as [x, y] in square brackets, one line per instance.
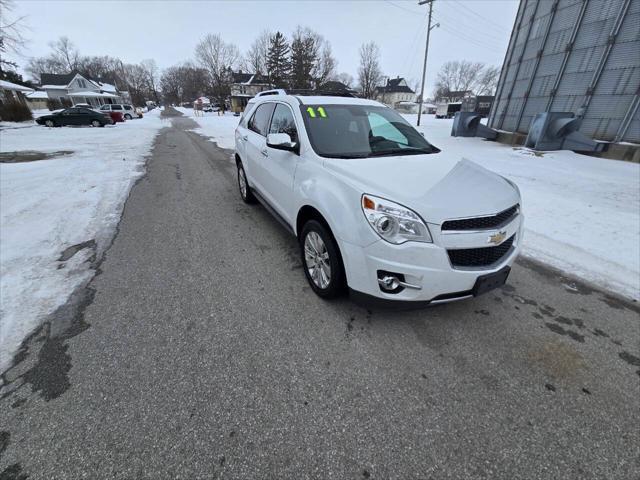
[127, 110]
[448, 110]
[375, 207]
[75, 116]
[115, 116]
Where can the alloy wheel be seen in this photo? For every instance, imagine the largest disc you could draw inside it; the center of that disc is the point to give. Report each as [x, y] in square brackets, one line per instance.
[49, 123]
[316, 259]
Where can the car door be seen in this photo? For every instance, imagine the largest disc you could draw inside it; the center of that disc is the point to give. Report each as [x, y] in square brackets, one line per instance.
[69, 116]
[278, 166]
[256, 146]
[85, 116]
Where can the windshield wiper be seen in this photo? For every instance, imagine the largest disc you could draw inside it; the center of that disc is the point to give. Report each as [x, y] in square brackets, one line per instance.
[402, 151]
[348, 155]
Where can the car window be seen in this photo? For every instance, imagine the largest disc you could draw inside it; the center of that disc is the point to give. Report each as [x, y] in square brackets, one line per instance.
[70, 111]
[105, 107]
[84, 111]
[127, 107]
[116, 107]
[359, 131]
[260, 120]
[380, 127]
[283, 122]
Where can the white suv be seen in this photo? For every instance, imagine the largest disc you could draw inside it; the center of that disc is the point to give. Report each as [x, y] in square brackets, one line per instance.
[127, 110]
[374, 206]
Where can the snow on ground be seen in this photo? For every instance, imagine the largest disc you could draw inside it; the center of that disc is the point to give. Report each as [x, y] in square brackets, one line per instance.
[219, 128]
[49, 205]
[582, 214]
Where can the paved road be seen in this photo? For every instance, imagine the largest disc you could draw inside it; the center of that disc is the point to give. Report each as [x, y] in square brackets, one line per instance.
[198, 351]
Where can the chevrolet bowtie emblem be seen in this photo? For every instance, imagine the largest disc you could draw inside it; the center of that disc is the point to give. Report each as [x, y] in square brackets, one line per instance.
[497, 238]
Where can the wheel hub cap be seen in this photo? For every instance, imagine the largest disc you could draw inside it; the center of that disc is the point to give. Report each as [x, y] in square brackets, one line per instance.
[316, 258]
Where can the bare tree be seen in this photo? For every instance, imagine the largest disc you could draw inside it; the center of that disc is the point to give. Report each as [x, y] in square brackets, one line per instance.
[66, 53]
[466, 76]
[325, 67]
[369, 73]
[151, 70]
[488, 81]
[11, 39]
[344, 78]
[255, 60]
[218, 58]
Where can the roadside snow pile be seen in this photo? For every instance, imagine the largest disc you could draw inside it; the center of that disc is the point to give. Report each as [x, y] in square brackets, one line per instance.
[219, 128]
[582, 214]
[49, 205]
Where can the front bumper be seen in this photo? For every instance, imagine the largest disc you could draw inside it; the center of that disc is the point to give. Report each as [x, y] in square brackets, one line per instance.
[425, 265]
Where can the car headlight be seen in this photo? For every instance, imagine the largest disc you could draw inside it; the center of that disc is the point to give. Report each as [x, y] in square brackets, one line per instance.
[394, 223]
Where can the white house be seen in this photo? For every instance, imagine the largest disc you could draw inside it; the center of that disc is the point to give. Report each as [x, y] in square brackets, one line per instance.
[37, 100]
[395, 91]
[77, 89]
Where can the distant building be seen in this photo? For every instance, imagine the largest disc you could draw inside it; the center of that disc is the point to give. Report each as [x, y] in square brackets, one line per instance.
[76, 88]
[576, 56]
[396, 90]
[454, 96]
[246, 86]
[333, 86]
[37, 100]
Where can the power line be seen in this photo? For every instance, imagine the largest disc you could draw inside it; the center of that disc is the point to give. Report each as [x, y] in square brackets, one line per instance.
[473, 26]
[403, 8]
[479, 16]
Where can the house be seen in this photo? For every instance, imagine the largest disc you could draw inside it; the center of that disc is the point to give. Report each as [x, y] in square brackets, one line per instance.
[37, 100]
[333, 86]
[74, 88]
[246, 86]
[396, 90]
[12, 92]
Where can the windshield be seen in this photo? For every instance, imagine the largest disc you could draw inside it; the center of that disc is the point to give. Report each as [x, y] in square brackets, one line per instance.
[360, 131]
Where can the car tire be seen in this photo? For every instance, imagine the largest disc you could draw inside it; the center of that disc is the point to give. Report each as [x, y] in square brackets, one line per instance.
[50, 123]
[321, 260]
[96, 123]
[243, 186]
[128, 117]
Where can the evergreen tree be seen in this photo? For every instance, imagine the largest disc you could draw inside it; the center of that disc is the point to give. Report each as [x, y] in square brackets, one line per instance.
[278, 60]
[304, 57]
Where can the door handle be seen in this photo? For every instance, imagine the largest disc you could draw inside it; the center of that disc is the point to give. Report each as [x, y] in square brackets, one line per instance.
[244, 137]
[264, 153]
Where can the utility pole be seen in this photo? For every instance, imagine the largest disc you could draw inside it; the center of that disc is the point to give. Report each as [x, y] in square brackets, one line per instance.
[426, 53]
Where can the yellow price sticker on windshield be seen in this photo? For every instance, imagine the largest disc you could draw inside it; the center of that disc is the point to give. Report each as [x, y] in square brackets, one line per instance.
[312, 112]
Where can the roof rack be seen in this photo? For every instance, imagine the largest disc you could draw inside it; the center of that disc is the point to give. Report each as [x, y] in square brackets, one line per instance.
[307, 92]
[277, 91]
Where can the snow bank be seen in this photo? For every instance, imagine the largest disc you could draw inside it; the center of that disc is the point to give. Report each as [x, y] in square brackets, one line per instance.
[218, 128]
[48, 205]
[582, 214]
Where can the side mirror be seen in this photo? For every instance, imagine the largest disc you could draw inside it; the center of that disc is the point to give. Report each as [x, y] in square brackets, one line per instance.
[281, 141]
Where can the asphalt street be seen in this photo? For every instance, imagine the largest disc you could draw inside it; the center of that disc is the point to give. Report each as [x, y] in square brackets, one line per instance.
[198, 351]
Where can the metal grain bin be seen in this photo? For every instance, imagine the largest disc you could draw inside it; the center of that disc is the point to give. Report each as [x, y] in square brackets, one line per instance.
[580, 56]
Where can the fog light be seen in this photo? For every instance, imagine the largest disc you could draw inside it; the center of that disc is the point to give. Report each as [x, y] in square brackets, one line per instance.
[390, 282]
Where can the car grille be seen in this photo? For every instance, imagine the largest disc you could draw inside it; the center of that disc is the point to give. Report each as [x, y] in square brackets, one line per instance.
[480, 257]
[480, 223]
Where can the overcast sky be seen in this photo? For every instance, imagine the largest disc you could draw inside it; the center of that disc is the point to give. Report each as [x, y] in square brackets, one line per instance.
[168, 31]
